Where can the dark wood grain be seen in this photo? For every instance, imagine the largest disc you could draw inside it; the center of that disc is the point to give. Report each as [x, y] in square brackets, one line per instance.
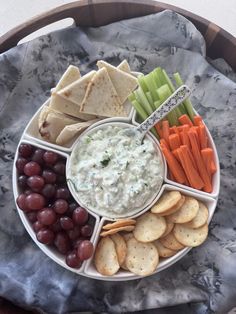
[220, 44]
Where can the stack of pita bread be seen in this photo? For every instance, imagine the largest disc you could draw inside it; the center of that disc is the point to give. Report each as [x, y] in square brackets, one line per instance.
[79, 101]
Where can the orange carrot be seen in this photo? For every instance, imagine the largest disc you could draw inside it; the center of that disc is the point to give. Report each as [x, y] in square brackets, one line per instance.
[158, 128]
[184, 119]
[192, 174]
[175, 153]
[164, 143]
[176, 129]
[165, 130]
[208, 158]
[174, 141]
[191, 157]
[196, 132]
[185, 139]
[197, 120]
[202, 136]
[199, 161]
[174, 166]
[171, 176]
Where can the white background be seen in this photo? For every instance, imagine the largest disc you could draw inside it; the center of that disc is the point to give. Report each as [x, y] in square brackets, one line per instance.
[15, 12]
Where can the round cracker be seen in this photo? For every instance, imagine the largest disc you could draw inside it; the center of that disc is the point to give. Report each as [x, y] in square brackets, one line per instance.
[142, 258]
[166, 202]
[187, 211]
[169, 228]
[115, 230]
[120, 246]
[105, 257]
[174, 208]
[200, 219]
[171, 242]
[127, 235]
[119, 223]
[162, 250]
[190, 237]
[149, 227]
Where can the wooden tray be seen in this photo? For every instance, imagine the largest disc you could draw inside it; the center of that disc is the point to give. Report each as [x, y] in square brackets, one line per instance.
[220, 44]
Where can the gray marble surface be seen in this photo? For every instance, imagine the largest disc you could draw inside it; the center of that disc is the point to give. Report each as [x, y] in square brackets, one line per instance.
[204, 281]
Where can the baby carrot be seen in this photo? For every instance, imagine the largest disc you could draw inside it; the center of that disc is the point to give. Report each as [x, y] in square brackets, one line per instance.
[208, 158]
[184, 119]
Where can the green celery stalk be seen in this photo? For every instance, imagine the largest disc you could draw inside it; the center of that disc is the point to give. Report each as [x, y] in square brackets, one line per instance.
[141, 81]
[187, 103]
[150, 100]
[157, 103]
[131, 97]
[152, 86]
[140, 110]
[142, 99]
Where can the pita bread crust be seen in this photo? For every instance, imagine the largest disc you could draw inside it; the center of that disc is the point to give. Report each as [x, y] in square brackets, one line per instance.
[71, 74]
[124, 66]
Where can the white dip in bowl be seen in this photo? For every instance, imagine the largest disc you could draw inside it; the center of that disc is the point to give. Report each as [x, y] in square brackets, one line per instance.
[112, 174]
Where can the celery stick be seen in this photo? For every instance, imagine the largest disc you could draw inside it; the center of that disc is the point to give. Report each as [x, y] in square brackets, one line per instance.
[150, 100]
[157, 104]
[151, 84]
[159, 74]
[140, 110]
[142, 99]
[141, 81]
[187, 103]
[154, 132]
[131, 97]
[168, 81]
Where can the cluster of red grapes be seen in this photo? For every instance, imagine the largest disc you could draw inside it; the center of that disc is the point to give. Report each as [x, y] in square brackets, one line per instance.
[56, 218]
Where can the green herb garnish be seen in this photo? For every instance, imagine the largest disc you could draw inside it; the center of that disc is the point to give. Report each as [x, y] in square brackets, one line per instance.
[105, 162]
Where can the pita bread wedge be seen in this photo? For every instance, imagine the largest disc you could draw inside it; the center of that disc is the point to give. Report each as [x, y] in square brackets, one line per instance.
[70, 131]
[71, 74]
[101, 97]
[124, 83]
[124, 66]
[75, 92]
[51, 123]
[61, 104]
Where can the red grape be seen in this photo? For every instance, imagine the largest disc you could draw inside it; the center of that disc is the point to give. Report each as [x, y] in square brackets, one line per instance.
[22, 181]
[86, 231]
[25, 150]
[74, 233]
[38, 226]
[80, 216]
[77, 242]
[60, 168]
[38, 156]
[35, 201]
[63, 193]
[45, 236]
[61, 179]
[36, 183]
[60, 206]
[85, 250]
[21, 202]
[56, 227]
[32, 168]
[32, 216]
[49, 176]
[66, 223]
[50, 157]
[72, 207]
[28, 192]
[20, 164]
[47, 216]
[49, 191]
[72, 260]
[62, 242]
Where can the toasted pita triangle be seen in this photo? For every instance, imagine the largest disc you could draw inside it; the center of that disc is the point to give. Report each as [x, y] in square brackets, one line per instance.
[124, 66]
[70, 131]
[71, 74]
[101, 97]
[124, 83]
[75, 92]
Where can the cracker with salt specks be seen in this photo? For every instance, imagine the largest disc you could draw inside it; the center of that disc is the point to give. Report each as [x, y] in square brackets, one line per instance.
[149, 227]
[166, 202]
[187, 211]
[119, 223]
[120, 246]
[171, 242]
[141, 258]
[189, 236]
[105, 257]
[200, 219]
[115, 230]
[162, 250]
[175, 208]
[169, 228]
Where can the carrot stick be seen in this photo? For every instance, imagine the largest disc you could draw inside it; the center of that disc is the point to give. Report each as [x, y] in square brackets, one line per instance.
[165, 130]
[172, 130]
[208, 158]
[196, 132]
[171, 176]
[174, 166]
[202, 136]
[184, 119]
[158, 128]
[175, 153]
[199, 161]
[191, 173]
[174, 141]
[164, 143]
[191, 157]
[185, 139]
[197, 120]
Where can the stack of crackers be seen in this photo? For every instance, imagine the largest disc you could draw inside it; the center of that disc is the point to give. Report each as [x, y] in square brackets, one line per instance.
[176, 221]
